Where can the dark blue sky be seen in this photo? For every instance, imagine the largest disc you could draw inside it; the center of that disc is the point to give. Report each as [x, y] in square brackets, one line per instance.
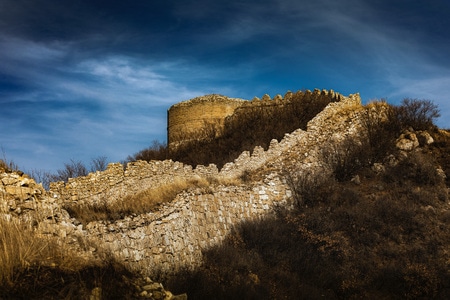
[86, 78]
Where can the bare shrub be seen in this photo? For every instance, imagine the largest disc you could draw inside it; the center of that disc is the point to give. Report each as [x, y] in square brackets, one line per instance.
[157, 151]
[71, 170]
[381, 127]
[99, 164]
[383, 123]
[418, 114]
[346, 157]
[417, 168]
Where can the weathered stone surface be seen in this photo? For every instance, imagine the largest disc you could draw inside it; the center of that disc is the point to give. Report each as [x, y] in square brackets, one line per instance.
[407, 141]
[199, 117]
[424, 138]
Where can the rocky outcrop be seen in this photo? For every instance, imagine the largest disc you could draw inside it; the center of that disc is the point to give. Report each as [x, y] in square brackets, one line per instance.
[410, 140]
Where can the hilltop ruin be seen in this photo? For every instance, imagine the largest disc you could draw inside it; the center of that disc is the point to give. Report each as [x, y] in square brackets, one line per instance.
[174, 237]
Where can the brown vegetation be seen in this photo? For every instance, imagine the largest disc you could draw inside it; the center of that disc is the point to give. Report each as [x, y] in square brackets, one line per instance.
[383, 237]
[38, 267]
[386, 238]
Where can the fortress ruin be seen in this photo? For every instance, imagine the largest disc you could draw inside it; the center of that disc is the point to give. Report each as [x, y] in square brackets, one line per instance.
[175, 236]
[204, 117]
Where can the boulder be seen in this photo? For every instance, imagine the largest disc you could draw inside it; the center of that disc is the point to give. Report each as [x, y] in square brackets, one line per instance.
[424, 138]
[407, 141]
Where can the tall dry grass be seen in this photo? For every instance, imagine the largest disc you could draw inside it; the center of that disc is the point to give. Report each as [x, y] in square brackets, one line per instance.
[143, 202]
[37, 267]
[22, 250]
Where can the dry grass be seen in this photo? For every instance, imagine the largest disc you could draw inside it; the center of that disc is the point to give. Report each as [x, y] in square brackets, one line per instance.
[148, 200]
[151, 199]
[8, 166]
[36, 267]
[22, 253]
[18, 250]
[385, 238]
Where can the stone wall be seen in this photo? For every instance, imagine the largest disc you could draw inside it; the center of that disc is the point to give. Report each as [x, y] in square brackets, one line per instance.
[199, 117]
[205, 116]
[175, 236]
[115, 182]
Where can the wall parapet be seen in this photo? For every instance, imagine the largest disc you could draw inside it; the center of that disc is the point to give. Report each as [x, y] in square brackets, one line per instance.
[116, 182]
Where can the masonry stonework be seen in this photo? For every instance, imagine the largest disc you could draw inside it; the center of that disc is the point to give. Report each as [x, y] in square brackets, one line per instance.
[175, 236]
[190, 119]
[205, 116]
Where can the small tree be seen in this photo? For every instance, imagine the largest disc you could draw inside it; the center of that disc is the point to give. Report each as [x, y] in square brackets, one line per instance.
[418, 114]
[99, 163]
[70, 170]
[157, 151]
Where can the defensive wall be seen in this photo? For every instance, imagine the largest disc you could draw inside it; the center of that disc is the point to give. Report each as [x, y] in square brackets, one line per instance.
[175, 236]
[205, 116]
[116, 182]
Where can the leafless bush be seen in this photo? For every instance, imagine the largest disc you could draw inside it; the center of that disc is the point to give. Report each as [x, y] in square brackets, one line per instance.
[346, 157]
[99, 163]
[416, 169]
[71, 170]
[309, 188]
[41, 176]
[381, 128]
[418, 114]
[77, 168]
[157, 151]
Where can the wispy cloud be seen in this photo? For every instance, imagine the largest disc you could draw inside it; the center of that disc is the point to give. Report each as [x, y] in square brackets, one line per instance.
[83, 79]
[113, 105]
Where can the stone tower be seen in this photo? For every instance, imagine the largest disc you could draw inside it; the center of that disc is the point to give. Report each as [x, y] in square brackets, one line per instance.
[195, 119]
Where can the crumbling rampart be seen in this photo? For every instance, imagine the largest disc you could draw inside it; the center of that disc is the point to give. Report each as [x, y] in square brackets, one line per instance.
[116, 182]
[175, 236]
[205, 116]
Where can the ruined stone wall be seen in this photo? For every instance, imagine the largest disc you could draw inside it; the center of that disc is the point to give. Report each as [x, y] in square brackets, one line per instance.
[175, 236]
[115, 183]
[205, 116]
[18, 193]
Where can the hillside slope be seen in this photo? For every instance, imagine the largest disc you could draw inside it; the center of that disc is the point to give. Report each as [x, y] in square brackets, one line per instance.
[354, 206]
